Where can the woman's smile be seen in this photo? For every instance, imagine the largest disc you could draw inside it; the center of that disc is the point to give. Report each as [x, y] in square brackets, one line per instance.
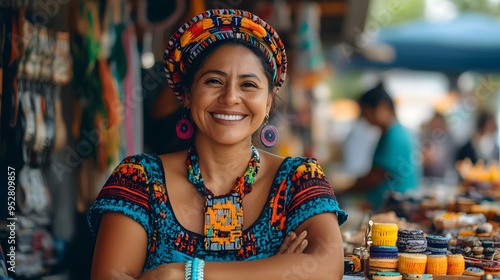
[225, 117]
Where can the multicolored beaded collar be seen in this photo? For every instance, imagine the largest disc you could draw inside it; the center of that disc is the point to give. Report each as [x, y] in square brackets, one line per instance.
[223, 229]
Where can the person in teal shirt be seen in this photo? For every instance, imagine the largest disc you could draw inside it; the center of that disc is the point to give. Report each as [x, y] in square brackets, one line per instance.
[396, 161]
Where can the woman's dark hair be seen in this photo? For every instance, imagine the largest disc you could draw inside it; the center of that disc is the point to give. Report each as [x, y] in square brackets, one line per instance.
[483, 119]
[375, 96]
[200, 59]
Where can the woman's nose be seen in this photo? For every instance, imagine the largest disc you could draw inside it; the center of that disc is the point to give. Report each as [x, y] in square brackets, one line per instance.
[230, 94]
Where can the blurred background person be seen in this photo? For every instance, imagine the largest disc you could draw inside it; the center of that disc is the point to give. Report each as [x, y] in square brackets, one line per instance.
[483, 143]
[359, 146]
[438, 148]
[393, 168]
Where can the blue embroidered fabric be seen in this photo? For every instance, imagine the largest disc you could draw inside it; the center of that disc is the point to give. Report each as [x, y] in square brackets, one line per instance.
[137, 189]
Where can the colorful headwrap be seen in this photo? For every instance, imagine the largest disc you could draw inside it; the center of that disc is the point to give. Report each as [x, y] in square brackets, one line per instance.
[214, 25]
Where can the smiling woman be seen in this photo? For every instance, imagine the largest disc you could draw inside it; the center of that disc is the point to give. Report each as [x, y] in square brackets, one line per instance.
[229, 210]
[227, 103]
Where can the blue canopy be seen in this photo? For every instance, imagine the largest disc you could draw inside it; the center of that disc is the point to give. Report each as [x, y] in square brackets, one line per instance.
[468, 42]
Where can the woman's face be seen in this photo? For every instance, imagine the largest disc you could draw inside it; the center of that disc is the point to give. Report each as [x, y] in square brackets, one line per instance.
[229, 97]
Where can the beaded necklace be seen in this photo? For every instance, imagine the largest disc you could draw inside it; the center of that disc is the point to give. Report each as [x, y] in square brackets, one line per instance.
[223, 229]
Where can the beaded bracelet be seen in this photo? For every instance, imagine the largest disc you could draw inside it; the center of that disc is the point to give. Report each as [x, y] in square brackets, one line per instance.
[187, 270]
[197, 270]
[194, 269]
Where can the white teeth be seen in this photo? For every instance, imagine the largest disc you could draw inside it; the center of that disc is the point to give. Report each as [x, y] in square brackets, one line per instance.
[228, 117]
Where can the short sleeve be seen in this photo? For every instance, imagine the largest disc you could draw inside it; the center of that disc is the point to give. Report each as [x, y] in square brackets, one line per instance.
[311, 194]
[126, 192]
[393, 149]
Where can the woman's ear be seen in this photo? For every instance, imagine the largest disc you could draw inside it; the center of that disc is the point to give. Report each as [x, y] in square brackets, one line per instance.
[186, 100]
[269, 103]
[270, 99]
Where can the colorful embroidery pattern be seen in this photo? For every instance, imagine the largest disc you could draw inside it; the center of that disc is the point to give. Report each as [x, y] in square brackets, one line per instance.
[137, 189]
[223, 223]
[224, 213]
[215, 25]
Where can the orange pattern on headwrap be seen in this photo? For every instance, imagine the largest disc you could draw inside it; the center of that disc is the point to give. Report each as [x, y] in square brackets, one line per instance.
[214, 25]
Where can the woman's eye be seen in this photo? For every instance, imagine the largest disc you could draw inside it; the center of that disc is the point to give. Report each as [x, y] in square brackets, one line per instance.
[249, 85]
[213, 81]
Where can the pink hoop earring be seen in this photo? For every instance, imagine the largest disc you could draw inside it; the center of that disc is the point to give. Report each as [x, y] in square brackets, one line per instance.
[184, 128]
[268, 134]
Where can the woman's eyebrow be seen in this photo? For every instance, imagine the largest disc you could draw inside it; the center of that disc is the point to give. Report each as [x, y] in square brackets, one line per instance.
[222, 73]
[213, 71]
[251, 75]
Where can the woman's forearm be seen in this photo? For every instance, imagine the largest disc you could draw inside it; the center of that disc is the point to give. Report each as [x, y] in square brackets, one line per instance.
[281, 267]
[292, 266]
[323, 258]
[326, 265]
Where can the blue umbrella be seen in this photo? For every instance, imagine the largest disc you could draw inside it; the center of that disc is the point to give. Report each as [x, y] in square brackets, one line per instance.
[468, 42]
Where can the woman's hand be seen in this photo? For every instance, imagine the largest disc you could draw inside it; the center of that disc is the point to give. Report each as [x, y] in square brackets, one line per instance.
[294, 243]
[169, 271]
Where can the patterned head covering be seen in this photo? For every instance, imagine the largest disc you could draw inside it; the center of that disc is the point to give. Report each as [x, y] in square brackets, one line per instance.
[214, 25]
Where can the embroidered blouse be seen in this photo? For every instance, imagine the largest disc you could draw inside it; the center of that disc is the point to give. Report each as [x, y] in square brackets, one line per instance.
[137, 189]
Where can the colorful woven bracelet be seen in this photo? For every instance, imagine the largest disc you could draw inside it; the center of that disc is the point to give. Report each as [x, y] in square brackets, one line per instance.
[187, 270]
[197, 269]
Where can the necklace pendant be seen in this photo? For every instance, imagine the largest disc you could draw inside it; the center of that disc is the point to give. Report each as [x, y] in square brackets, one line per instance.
[223, 222]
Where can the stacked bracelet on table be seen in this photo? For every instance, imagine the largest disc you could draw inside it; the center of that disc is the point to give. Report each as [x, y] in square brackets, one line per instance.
[194, 269]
